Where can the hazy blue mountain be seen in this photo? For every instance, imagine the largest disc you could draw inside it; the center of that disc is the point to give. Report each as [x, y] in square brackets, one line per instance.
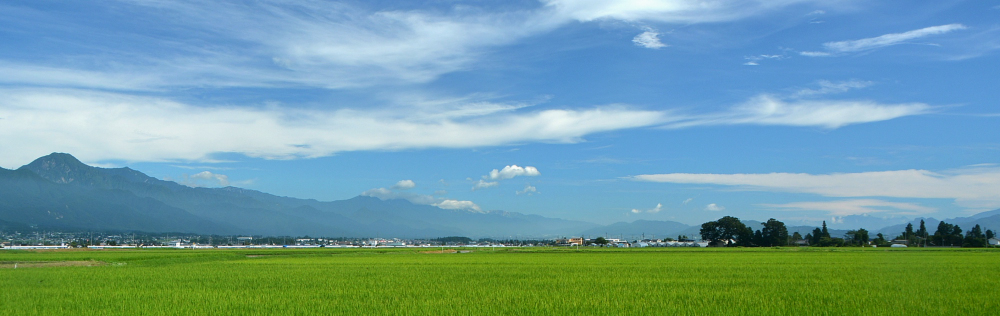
[639, 228]
[28, 199]
[126, 199]
[868, 222]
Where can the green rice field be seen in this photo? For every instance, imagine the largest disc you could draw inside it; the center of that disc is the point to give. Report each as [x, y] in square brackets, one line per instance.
[512, 281]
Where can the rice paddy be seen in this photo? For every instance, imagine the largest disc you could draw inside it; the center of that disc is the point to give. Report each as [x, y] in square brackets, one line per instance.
[523, 281]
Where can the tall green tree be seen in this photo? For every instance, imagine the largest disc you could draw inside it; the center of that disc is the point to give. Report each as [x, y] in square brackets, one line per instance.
[796, 236]
[774, 234]
[975, 238]
[601, 241]
[922, 231]
[726, 230]
[880, 240]
[947, 235]
[817, 234]
[857, 237]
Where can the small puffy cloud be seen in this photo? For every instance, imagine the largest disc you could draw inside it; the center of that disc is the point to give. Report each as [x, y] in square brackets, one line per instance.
[404, 185]
[528, 190]
[648, 39]
[714, 207]
[657, 209]
[206, 178]
[687, 201]
[483, 184]
[458, 205]
[512, 171]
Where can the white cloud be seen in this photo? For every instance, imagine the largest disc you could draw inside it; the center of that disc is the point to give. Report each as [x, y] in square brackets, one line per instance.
[714, 207]
[332, 44]
[648, 39]
[815, 54]
[687, 201]
[770, 110]
[388, 194]
[507, 172]
[528, 189]
[827, 87]
[483, 184]
[754, 60]
[327, 44]
[206, 178]
[77, 78]
[404, 185]
[512, 171]
[443, 203]
[972, 188]
[97, 126]
[669, 11]
[882, 41]
[856, 207]
[459, 205]
[654, 210]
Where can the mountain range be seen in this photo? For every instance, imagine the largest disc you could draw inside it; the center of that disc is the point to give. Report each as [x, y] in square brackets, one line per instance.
[60, 192]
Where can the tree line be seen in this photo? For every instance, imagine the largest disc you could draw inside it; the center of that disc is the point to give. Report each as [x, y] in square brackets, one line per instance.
[730, 231]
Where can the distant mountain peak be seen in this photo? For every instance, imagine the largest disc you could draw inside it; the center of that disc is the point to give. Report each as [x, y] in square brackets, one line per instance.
[58, 167]
[60, 160]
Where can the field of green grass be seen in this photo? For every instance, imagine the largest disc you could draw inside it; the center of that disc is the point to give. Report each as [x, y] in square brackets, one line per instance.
[528, 281]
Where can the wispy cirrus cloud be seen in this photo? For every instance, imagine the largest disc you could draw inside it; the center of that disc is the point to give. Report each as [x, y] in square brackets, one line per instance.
[865, 44]
[333, 45]
[768, 109]
[667, 11]
[855, 207]
[828, 87]
[976, 187]
[756, 59]
[99, 126]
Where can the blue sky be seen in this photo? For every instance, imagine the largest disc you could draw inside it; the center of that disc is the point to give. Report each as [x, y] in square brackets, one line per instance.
[601, 111]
